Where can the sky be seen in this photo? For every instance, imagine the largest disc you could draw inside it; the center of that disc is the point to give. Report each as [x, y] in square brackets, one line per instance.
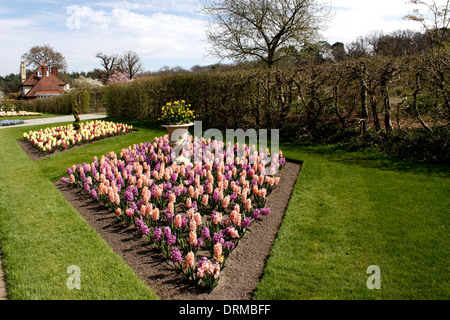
[163, 32]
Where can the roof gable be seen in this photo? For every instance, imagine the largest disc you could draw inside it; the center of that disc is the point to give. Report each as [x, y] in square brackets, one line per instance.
[33, 79]
[46, 84]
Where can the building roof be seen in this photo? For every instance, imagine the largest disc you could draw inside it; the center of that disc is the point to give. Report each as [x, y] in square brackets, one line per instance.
[43, 83]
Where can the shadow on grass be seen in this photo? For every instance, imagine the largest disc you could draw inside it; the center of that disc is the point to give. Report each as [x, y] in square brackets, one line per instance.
[143, 124]
[368, 158]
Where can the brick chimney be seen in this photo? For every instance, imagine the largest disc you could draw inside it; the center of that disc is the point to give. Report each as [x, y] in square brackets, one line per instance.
[23, 72]
[54, 71]
[44, 69]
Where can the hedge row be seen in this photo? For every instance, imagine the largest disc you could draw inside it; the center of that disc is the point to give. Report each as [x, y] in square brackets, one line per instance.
[381, 91]
[63, 104]
[222, 99]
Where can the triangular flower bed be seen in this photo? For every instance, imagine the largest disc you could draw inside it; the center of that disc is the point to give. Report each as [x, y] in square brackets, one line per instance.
[195, 215]
[43, 143]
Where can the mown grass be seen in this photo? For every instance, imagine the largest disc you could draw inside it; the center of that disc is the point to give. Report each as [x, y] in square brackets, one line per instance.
[349, 210]
[41, 234]
[44, 115]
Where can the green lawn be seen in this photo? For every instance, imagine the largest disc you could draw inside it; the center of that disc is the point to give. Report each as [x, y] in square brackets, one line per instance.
[44, 115]
[352, 210]
[348, 211]
[41, 235]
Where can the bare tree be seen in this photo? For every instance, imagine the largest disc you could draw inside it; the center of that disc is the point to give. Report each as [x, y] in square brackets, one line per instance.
[109, 62]
[38, 55]
[242, 29]
[436, 22]
[131, 64]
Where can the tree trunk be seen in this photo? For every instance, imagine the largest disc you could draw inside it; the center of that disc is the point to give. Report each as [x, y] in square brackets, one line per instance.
[415, 93]
[373, 106]
[336, 105]
[387, 106]
[363, 93]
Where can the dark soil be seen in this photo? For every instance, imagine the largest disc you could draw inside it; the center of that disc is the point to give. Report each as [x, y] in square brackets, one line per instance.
[244, 266]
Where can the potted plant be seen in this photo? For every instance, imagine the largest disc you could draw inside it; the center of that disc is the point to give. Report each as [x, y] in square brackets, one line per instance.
[177, 118]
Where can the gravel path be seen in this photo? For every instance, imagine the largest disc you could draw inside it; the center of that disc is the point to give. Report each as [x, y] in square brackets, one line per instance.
[33, 122]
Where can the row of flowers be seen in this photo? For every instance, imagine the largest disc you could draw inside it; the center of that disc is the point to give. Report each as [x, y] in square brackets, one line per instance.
[194, 214]
[19, 113]
[63, 137]
[10, 122]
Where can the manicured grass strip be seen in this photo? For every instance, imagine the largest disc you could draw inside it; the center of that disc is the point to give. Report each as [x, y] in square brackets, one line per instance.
[44, 115]
[352, 210]
[42, 235]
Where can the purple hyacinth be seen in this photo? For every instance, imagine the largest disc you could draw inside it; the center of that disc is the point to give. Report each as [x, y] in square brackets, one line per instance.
[144, 229]
[65, 180]
[205, 233]
[167, 232]
[256, 213]
[133, 206]
[246, 223]
[184, 222]
[93, 194]
[265, 211]
[157, 234]
[216, 195]
[172, 239]
[176, 255]
[128, 196]
[228, 245]
[218, 237]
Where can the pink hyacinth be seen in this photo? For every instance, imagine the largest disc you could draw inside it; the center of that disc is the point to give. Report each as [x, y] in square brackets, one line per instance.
[217, 250]
[192, 225]
[236, 218]
[226, 202]
[177, 221]
[217, 218]
[248, 204]
[205, 200]
[197, 218]
[233, 233]
[190, 259]
[155, 214]
[193, 238]
[148, 210]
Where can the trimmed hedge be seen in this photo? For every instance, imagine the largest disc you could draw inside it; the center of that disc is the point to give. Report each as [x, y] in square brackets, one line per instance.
[62, 104]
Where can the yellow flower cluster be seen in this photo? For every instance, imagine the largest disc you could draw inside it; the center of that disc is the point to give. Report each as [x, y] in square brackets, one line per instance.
[59, 138]
[177, 112]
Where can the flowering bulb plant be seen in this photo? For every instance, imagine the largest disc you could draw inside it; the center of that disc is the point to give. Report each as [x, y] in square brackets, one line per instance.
[49, 140]
[197, 212]
[177, 112]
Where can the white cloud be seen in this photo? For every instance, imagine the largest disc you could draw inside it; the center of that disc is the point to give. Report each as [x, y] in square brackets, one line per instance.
[85, 31]
[358, 18]
[183, 6]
